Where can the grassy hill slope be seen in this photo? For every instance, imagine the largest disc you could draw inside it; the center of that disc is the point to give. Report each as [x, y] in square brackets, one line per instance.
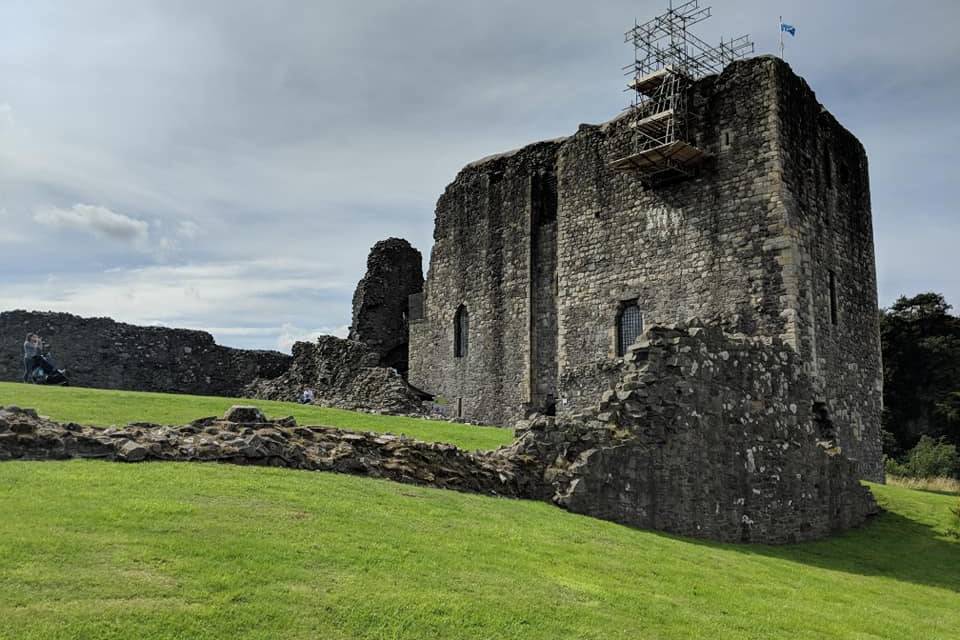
[93, 549]
[163, 550]
[108, 407]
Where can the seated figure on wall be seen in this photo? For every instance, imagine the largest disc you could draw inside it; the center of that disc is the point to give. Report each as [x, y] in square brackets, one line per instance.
[34, 359]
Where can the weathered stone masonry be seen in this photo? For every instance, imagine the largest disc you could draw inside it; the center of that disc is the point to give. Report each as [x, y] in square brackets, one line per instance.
[773, 238]
[112, 355]
[380, 302]
[704, 435]
[245, 436]
[482, 259]
[344, 374]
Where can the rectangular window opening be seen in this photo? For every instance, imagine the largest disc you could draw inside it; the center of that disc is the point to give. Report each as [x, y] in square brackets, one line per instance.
[629, 326]
[544, 198]
[461, 332]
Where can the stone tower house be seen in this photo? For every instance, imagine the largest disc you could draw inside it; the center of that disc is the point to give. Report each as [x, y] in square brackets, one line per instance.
[547, 261]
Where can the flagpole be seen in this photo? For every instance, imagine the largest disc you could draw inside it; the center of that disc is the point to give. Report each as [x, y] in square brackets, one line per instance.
[780, 29]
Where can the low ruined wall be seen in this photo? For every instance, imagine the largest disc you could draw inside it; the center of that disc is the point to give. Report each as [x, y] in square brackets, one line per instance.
[344, 374]
[99, 352]
[709, 436]
[244, 436]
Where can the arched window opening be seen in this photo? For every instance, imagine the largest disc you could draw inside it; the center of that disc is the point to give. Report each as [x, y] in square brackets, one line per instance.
[461, 332]
[629, 326]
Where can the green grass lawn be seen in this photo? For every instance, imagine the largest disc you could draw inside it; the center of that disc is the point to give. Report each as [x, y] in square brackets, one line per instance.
[107, 407]
[165, 550]
[174, 550]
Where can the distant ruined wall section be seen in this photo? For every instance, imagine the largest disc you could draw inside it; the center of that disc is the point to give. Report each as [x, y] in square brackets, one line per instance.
[100, 352]
[380, 302]
[343, 374]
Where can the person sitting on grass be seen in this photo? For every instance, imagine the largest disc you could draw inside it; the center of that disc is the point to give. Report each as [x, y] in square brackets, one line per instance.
[33, 357]
[308, 396]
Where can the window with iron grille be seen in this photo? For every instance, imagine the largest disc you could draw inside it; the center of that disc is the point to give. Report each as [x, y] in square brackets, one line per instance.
[461, 332]
[629, 326]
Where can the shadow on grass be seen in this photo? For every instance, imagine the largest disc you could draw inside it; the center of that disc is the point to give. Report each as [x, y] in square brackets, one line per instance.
[889, 545]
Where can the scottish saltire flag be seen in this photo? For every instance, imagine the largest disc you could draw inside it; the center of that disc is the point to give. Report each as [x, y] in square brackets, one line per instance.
[788, 28]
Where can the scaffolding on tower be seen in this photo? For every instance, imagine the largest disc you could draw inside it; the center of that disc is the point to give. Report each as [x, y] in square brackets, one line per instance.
[668, 58]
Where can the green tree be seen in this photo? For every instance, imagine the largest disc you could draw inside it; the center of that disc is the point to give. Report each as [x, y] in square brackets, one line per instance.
[929, 459]
[921, 353]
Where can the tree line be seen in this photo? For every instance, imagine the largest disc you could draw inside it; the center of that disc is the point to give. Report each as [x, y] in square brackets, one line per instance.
[921, 395]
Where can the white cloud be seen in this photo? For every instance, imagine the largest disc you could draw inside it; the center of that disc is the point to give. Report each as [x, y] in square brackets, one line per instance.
[259, 144]
[290, 334]
[94, 219]
[256, 303]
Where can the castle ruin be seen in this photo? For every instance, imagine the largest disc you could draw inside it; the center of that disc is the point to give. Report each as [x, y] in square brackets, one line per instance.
[677, 308]
[550, 260]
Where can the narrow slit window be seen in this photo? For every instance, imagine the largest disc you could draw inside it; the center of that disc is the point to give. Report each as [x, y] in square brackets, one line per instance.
[461, 332]
[833, 298]
[544, 198]
[827, 169]
[629, 326]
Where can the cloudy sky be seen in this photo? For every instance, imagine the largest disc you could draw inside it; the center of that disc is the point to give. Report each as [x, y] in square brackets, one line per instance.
[226, 165]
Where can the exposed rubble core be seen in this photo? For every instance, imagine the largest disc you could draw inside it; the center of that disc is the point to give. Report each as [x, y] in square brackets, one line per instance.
[545, 246]
[705, 435]
[344, 374]
[380, 302]
[244, 436]
[100, 352]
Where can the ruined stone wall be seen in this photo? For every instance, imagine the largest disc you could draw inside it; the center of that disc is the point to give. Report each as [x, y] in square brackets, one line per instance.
[99, 352]
[705, 435]
[544, 366]
[832, 270]
[481, 259]
[750, 242]
[344, 374]
[704, 247]
[698, 248]
[245, 436]
[380, 307]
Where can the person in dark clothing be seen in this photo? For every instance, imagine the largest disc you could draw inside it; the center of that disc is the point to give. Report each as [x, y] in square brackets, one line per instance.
[33, 357]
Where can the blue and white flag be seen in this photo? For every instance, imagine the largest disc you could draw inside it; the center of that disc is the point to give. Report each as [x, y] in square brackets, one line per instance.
[788, 28]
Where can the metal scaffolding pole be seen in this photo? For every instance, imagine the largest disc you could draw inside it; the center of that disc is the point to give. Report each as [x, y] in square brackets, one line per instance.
[667, 59]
